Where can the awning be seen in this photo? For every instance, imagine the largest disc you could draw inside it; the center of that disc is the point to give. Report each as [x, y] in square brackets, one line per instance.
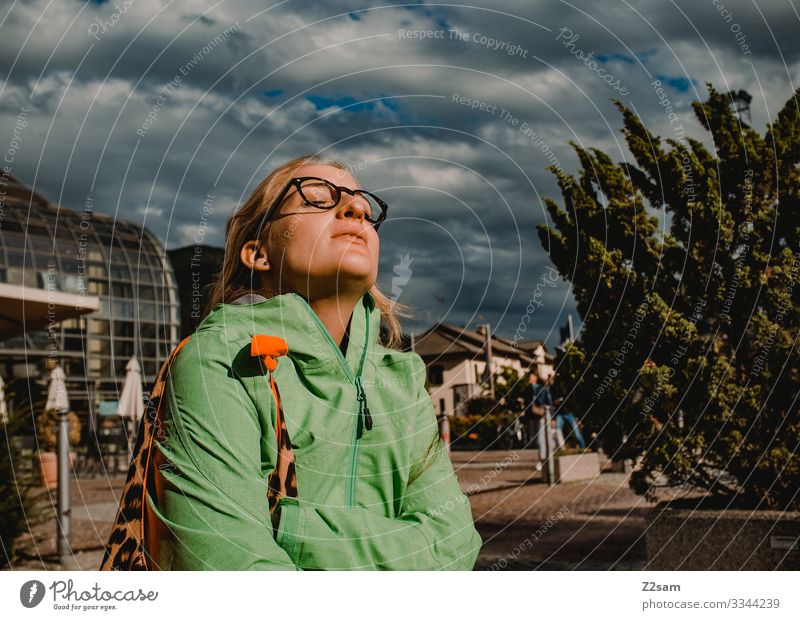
[24, 308]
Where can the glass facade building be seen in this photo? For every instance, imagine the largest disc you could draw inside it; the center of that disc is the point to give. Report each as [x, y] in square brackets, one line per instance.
[45, 246]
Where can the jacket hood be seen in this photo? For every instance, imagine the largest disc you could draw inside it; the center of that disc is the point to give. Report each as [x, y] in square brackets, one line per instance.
[290, 317]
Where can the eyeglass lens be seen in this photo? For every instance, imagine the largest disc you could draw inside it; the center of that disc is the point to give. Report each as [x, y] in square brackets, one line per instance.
[324, 195]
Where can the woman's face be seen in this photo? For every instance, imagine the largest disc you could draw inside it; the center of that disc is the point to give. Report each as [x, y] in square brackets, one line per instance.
[322, 252]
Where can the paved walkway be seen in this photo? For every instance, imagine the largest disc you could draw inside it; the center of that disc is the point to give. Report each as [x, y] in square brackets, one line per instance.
[94, 506]
[591, 525]
[525, 524]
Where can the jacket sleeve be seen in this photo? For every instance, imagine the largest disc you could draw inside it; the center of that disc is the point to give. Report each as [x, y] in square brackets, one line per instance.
[214, 503]
[434, 530]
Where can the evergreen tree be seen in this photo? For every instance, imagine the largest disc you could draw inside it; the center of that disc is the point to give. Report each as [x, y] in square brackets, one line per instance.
[684, 266]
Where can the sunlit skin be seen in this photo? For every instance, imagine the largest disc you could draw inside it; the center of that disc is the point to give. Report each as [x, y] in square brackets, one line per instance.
[316, 252]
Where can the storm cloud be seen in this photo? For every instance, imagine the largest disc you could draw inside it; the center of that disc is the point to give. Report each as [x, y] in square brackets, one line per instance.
[450, 113]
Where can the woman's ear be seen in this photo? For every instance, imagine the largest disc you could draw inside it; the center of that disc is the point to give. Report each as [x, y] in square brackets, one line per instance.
[254, 256]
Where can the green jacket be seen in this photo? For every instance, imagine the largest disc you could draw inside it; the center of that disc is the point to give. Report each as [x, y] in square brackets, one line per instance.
[368, 498]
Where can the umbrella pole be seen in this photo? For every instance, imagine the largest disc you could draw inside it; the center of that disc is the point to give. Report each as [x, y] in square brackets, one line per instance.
[130, 440]
[63, 525]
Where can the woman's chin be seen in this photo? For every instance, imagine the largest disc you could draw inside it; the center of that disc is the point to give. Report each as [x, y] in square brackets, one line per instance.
[354, 267]
[349, 282]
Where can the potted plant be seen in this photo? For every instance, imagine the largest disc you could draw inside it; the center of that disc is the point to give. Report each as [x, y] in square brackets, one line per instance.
[47, 440]
[573, 464]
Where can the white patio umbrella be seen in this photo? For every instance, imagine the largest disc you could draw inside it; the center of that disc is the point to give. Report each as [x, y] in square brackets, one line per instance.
[57, 397]
[130, 407]
[130, 399]
[3, 406]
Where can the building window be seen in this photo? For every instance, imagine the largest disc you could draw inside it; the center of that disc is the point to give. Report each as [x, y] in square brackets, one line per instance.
[435, 374]
[73, 284]
[123, 310]
[95, 366]
[73, 343]
[461, 393]
[121, 289]
[149, 368]
[13, 241]
[42, 245]
[123, 329]
[98, 287]
[99, 327]
[74, 367]
[122, 272]
[123, 348]
[12, 224]
[99, 346]
[48, 280]
[21, 275]
[148, 348]
[147, 311]
[97, 271]
[19, 259]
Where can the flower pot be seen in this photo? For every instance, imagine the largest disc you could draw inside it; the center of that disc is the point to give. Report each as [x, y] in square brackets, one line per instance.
[685, 537]
[48, 467]
[574, 467]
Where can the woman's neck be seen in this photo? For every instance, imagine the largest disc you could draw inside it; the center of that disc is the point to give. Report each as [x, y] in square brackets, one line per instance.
[335, 313]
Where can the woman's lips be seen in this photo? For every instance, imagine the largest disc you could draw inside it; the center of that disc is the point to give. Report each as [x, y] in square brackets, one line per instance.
[352, 238]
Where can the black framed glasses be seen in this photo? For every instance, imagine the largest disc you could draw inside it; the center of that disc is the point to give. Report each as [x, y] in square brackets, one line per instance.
[322, 194]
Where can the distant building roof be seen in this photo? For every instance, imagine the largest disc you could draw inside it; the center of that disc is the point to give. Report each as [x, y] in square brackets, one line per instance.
[445, 339]
[532, 345]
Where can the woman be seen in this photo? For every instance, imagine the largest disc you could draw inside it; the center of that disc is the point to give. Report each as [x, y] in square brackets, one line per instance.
[285, 436]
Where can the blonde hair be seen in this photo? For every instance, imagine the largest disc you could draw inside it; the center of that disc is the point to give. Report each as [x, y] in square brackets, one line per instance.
[235, 279]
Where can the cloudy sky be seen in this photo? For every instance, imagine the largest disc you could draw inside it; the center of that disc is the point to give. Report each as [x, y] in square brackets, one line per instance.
[450, 113]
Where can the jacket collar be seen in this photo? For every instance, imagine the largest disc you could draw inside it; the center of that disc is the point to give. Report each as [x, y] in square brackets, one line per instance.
[291, 317]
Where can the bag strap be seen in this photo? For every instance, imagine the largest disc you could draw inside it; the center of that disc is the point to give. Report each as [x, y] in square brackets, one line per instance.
[283, 479]
[152, 527]
[127, 544]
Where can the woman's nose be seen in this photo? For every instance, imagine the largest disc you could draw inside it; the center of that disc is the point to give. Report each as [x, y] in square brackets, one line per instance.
[354, 206]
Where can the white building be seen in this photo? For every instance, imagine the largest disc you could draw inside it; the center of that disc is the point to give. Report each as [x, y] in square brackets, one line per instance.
[456, 362]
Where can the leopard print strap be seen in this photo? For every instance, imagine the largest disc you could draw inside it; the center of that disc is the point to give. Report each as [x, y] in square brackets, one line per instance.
[283, 479]
[126, 549]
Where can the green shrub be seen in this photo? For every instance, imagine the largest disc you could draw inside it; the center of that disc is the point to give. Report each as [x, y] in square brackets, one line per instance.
[476, 431]
[22, 501]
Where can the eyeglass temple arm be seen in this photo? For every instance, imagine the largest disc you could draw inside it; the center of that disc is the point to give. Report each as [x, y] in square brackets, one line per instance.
[279, 200]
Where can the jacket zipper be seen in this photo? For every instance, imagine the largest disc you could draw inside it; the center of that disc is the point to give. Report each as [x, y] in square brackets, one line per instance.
[364, 418]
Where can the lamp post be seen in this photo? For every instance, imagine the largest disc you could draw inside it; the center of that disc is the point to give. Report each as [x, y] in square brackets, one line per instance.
[548, 448]
[444, 430]
[486, 330]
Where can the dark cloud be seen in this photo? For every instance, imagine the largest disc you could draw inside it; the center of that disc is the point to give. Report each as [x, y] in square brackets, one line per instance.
[150, 108]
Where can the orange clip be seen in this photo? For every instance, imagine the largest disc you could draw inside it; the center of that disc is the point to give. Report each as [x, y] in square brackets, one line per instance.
[269, 348]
